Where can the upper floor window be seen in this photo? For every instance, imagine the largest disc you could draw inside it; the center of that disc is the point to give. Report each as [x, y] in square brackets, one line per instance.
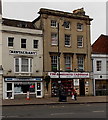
[98, 65]
[79, 27]
[54, 63]
[66, 24]
[23, 65]
[54, 39]
[35, 44]
[10, 41]
[67, 40]
[80, 41]
[80, 63]
[68, 63]
[107, 65]
[23, 43]
[53, 23]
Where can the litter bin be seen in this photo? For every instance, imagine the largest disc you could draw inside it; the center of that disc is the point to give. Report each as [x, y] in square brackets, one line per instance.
[62, 95]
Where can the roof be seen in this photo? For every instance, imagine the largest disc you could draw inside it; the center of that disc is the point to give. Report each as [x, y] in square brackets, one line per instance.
[17, 23]
[100, 46]
[77, 14]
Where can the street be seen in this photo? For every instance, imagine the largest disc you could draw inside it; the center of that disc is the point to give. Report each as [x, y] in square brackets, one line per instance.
[96, 110]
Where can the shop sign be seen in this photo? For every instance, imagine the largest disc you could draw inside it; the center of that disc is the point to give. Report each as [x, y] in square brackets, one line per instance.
[23, 79]
[69, 74]
[18, 52]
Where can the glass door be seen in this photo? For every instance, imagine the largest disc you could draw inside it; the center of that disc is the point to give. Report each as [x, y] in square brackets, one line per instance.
[39, 93]
[9, 94]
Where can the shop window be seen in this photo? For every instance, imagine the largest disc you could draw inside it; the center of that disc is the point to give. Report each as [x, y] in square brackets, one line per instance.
[98, 63]
[68, 63]
[23, 65]
[54, 39]
[54, 63]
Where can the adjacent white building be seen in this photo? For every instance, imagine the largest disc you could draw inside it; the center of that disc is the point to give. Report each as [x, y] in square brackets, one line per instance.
[22, 59]
[100, 65]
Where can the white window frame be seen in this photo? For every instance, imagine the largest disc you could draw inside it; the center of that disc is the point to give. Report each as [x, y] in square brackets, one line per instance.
[54, 60]
[98, 65]
[68, 61]
[80, 62]
[80, 41]
[54, 39]
[54, 23]
[79, 27]
[67, 39]
[20, 65]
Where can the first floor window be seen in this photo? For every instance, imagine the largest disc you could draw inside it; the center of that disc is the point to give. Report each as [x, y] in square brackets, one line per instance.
[80, 63]
[23, 65]
[54, 39]
[67, 63]
[67, 40]
[54, 63]
[23, 43]
[98, 63]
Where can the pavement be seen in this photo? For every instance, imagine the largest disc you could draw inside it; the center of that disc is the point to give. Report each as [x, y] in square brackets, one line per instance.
[54, 100]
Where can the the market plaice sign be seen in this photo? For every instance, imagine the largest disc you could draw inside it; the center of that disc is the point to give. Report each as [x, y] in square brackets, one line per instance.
[69, 74]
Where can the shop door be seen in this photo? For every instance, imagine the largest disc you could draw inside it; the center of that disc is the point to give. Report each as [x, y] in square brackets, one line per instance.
[9, 91]
[82, 87]
[39, 93]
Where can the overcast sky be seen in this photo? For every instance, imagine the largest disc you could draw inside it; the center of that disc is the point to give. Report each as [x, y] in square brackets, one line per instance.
[28, 10]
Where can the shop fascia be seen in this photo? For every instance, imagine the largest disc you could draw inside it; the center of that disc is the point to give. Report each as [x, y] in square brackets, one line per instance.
[23, 79]
[69, 74]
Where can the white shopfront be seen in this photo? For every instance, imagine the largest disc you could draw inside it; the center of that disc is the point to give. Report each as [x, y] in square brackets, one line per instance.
[20, 86]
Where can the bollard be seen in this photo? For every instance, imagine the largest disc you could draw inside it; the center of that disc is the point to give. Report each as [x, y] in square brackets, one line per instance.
[28, 95]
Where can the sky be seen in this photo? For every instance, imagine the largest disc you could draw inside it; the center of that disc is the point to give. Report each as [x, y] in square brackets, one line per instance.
[28, 10]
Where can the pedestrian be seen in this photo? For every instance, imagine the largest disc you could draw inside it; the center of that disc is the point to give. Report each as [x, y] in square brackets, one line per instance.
[75, 94]
[72, 93]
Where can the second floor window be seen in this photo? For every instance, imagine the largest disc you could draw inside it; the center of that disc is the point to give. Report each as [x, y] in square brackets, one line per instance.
[23, 43]
[98, 65]
[80, 63]
[67, 63]
[80, 41]
[67, 40]
[35, 44]
[53, 23]
[66, 24]
[10, 41]
[23, 65]
[79, 27]
[54, 63]
[54, 39]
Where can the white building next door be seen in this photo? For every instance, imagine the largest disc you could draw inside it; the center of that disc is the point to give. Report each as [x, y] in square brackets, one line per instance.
[9, 90]
[39, 93]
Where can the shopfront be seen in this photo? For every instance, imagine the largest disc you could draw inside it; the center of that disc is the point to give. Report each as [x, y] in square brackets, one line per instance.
[17, 87]
[69, 80]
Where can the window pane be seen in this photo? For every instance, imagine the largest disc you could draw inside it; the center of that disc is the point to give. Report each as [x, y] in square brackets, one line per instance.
[9, 86]
[54, 63]
[53, 23]
[98, 65]
[24, 65]
[66, 24]
[54, 39]
[17, 65]
[10, 41]
[80, 26]
[23, 43]
[35, 44]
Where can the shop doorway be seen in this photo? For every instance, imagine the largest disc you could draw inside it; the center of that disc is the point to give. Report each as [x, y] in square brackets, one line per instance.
[9, 94]
[39, 93]
[82, 87]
